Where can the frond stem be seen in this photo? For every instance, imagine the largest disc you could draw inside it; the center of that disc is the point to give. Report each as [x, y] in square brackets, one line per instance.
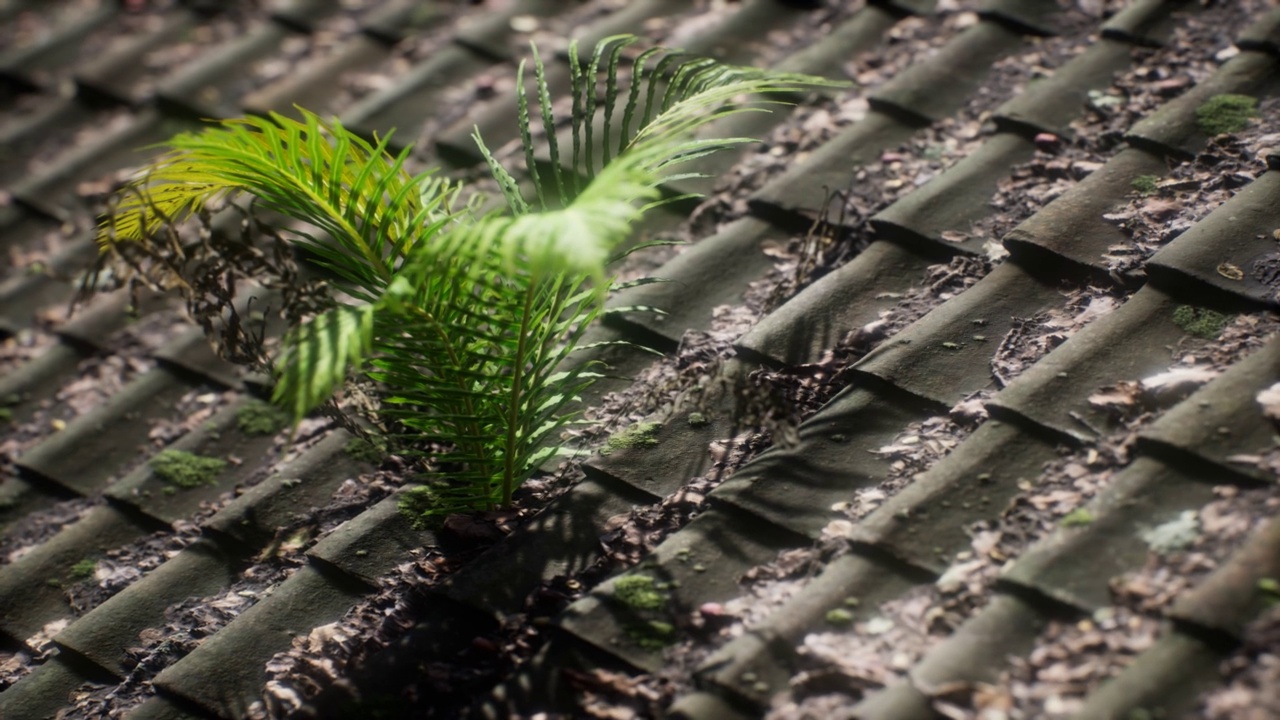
[513, 407]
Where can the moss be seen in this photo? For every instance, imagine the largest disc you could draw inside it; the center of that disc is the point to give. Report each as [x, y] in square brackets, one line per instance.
[6, 416]
[366, 451]
[1200, 322]
[652, 635]
[260, 418]
[1145, 184]
[640, 435]
[83, 570]
[1178, 534]
[186, 470]
[417, 505]
[638, 592]
[1077, 518]
[1226, 113]
[1270, 589]
[839, 616]
[697, 420]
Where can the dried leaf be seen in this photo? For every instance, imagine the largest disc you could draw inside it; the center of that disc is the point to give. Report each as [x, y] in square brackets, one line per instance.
[1230, 271]
[1269, 399]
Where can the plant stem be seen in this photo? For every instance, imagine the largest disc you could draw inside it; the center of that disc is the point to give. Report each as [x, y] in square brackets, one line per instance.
[513, 407]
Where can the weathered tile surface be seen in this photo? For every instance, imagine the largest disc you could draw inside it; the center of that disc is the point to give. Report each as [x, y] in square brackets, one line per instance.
[74, 115]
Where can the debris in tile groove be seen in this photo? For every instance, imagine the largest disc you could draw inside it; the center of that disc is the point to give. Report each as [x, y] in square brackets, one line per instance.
[17, 350]
[1252, 687]
[186, 625]
[28, 532]
[1032, 338]
[1245, 333]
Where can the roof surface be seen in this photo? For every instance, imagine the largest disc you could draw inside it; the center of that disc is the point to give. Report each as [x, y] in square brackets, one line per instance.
[1017, 292]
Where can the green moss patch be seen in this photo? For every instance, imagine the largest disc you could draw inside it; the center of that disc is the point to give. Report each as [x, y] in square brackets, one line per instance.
[186, 470]
[642, 598]
[1145, 184]
[260, 418]
[1226, 113]
[1270, 589]
[83, 570]
[652, 635]
[1200, 322]
[839, 616]
[1077, 518]
[639, 592]
[366, 451]
[420, 506]
[640, 435]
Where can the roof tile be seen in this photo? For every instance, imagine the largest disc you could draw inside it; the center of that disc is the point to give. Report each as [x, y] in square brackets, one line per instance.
[102, 635]
[561, 539]
[1070, 565]
[414, 97]
[84, 456]
[1173, 129]
[312, 84]
[711, 272]
[1039, 17]
[1164, 679]
[1144, 22]
[209, 88]
[1234, 249]
[939, 357]
[700, 564]
[956, 199]
[926, 523]
[373, 542]
[931, 90]
[32, 65]
[1263, 35]
[796, 486]
[766, 654]
[31, 594]
[292, 489]
[225, 673]
[121, 75]
[795, 198]
[1222, 420]
[220, 438]
[1052, 103]
[45, 691]
[820, 315]
[1074, 226]
[1231, 598]
[1129, 343]
[977, 650]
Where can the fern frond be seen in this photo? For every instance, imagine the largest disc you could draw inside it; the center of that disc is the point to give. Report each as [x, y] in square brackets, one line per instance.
[313, 171]
[319, 353]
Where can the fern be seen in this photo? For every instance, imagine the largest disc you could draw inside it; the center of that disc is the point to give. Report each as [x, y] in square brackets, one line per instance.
[465, 319]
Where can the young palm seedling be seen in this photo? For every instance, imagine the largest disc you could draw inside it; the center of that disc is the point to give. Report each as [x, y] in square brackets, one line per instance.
[463, 319]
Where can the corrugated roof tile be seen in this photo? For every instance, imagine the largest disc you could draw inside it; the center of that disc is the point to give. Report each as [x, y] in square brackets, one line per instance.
[795, 486]
[1233, 250]
[1223, 419]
